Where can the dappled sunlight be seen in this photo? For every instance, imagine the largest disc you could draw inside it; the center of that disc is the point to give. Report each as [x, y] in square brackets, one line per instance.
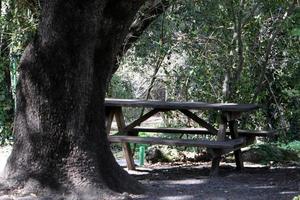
[264, 187]
[289, 192]
[184, 182]
[192, 182]
[4, 154]
[178, 197]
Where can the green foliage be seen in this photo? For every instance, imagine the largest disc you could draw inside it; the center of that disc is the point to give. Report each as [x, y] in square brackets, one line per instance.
[162, 153]
[122, 88]
[199, 45]
[296, 32]
[296, 197]
[119, 88]
[17, 26]
[293, 146]
[6, 103]
[6, 107]
[143, 134]
[266, 153]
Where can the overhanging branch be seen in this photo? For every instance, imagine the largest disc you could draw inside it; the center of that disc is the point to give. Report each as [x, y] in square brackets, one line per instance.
[150, 11]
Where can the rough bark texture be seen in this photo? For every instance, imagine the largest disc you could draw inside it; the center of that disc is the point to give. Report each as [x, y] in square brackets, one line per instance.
[61, 143]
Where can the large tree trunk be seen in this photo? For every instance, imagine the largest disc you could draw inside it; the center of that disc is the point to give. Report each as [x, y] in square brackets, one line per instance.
[59, 124]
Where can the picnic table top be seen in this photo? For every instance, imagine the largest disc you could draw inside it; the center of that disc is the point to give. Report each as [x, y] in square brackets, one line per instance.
[175, 105]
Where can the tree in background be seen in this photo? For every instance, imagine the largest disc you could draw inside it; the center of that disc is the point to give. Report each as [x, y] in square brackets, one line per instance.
[222, 51]
[17, 24]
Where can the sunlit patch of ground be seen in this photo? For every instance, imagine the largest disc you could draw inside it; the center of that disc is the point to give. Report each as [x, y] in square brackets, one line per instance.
[4, 154]
[189, 181]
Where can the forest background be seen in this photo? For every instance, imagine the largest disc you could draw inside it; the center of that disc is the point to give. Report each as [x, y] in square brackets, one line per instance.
[242, 51]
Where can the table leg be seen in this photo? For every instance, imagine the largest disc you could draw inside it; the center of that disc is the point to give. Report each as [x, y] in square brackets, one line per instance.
[237, 153]
[109, 115]
[126, 146]
[217, 153]
[222, 130]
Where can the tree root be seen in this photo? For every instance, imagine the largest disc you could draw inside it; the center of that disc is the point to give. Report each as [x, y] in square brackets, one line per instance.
[31, 190]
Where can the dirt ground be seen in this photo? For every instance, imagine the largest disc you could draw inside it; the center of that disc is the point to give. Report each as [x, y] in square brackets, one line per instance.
[182, 181]
[191, 181]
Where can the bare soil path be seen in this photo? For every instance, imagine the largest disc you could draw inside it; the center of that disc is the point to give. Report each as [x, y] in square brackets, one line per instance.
[182, 181]
[191, 181]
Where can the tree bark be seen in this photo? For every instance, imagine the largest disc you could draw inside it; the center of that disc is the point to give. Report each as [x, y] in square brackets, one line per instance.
[60, 139]
[278, 22]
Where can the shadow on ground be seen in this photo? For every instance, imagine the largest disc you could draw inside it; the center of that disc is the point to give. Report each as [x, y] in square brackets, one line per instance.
[193, 182]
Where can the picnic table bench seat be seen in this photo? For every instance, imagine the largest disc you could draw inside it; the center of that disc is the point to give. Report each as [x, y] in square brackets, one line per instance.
[255, 133]
[230, 144]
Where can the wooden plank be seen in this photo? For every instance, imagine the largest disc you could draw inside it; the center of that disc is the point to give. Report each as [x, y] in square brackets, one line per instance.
[119, 118]
[215, 164]
[203, 131]
[141, 119]
[220, 138]
[222, 129]
[237, 153]
[180, 105]
[126, 146]
[172, 130]
[231, 115]
[200, 121]
[269, 133]
[109, 115]
[228, 144]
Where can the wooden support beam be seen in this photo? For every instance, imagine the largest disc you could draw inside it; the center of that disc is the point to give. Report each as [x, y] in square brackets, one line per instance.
[222, 129]
[237, 153]
[126, 146]
[231, 115]
[200, 121]
[217, 156]
[215, 163]
[109, 115]
[141, 119]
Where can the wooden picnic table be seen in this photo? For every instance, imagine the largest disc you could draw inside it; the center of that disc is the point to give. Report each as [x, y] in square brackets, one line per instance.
[229, 113]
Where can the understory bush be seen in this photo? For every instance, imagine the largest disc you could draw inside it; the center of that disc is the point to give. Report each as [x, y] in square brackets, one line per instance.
[293, 146]
[273, 153]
